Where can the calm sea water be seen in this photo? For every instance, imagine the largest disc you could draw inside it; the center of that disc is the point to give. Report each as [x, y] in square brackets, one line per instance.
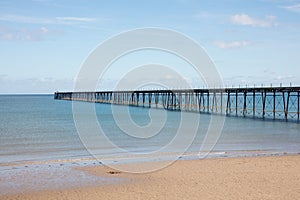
[36, 128]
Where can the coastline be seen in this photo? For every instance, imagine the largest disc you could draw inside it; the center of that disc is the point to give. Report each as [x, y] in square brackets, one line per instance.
[258, 177]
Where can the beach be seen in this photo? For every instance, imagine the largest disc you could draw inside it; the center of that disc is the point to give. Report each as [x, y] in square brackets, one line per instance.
[262, 177]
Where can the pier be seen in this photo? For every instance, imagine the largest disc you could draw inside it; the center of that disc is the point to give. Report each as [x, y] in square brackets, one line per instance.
[275, 103]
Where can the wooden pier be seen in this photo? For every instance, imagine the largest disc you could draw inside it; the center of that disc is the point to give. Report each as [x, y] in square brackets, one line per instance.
[277, 103]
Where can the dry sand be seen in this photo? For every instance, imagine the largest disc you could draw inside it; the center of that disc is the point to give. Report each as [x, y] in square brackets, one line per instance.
[275, 177]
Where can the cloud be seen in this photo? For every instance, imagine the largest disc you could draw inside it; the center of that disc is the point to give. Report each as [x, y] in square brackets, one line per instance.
[38, 34]
[3, 77]
[246, 20]
[34, 85]
[36, 20]
[25, 19]
[75, 19]
[35, 34]
[231, 45]
[293, 8]
[266, 77]
[204, 14]
[285, 78]
[44, 30]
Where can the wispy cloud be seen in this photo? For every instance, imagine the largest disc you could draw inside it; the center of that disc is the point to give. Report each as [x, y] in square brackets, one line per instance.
[293, 8]
[42, 1]
[3, 77]
[261, 80]
[203, 14]
[231, 45]
[246, 20]
[34, 85]
[75, 19]
[37, 20]
[38, 34]
[25, 19]
[285, 78]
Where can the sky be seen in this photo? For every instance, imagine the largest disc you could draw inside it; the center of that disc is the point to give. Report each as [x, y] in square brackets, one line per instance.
[43, 43]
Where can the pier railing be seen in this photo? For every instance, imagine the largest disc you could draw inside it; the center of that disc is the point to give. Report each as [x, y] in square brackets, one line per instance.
[278, 103]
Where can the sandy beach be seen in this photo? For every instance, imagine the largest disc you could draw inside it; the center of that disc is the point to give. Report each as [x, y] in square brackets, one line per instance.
[274, 177]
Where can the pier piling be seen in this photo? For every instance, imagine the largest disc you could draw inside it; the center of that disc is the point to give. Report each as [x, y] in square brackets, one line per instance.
[274, 103]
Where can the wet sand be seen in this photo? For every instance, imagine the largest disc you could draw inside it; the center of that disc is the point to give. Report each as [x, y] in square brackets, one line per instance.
[274, 177]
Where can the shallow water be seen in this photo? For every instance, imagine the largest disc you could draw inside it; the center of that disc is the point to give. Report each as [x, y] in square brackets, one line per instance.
[38, 128]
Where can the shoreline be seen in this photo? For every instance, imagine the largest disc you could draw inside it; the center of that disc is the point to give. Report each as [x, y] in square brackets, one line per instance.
[266, 177]
[162, 156]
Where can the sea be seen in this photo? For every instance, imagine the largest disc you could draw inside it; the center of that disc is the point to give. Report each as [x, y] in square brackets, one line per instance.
[38, 134]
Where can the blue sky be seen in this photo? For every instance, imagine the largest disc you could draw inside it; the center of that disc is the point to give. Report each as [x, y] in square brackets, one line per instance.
[44, 42]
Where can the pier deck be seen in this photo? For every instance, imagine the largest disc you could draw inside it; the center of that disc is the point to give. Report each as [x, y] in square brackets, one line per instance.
[277, 103]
